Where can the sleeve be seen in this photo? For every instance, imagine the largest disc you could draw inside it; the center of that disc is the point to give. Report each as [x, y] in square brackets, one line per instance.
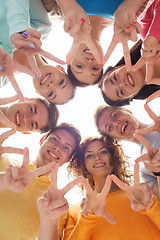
[154, 29]
[154, 212]
[18, 17]
[83, 228]
[146, 176]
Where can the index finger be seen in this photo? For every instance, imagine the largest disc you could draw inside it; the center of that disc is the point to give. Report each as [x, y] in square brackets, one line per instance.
[4, 101]
[51, 57]
[4, 121]
[126, 53]
[94, 50]
[25, 157]
[54, 176]
[149, 71]
[150, 113]
[153, 96]
[143, 140]
[119, 183]
[109, 50]
[72, 184]
[139, 64]
[16, 87]
[71, 54]
[107, 186]
[136, 173]
[5, 135]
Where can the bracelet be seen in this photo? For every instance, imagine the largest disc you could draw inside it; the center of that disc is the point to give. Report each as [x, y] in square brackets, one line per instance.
[156, 174]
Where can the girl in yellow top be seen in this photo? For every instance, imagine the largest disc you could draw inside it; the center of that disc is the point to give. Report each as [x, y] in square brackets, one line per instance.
[112, 208]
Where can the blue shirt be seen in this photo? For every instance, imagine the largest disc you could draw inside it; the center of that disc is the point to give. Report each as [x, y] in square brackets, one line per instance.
[101, 8]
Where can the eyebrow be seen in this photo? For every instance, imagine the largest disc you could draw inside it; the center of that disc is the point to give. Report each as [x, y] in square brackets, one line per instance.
[93, 151]
[35, 109]
[118, 94]
[36, 125]
[60, 139]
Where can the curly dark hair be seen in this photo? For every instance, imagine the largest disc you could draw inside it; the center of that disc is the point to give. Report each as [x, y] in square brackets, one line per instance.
[118, 160]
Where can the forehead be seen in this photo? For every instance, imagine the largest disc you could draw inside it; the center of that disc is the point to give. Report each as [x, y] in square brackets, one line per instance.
[86, 75]
[64, 136]
[95, 145]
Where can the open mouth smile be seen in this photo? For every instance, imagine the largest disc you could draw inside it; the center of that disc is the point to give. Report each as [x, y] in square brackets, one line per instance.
[124, 127]
[18, 119]
[45, 78]
[130, 80]
[99, 165]
[52, 155]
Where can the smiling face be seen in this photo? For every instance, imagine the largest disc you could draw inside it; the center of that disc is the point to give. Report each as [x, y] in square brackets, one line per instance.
[97, 159]
[58, 148]
[84, 66]
[120, 84]
[53, 84]
[30, 115]
[118, 123]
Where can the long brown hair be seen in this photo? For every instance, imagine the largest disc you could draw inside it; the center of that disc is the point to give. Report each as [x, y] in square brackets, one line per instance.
[119, 161]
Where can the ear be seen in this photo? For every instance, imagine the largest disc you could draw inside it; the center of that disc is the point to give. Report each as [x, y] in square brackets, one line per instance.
[60, 68]
[41, 140]
[26, 132]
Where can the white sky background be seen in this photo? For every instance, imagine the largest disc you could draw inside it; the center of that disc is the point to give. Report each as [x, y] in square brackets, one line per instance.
[80, 110]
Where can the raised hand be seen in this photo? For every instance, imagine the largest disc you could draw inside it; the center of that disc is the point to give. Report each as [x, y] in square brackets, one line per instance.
[30, 55]
[95, 202]
[3, 120]
[27, 39]
[8, 67]
[53, 203]
[150, 52]
[151, 159]
[140, 194]
[121, 36]
[18, 178]
[4, 136]
[156, 122]
[84, 36]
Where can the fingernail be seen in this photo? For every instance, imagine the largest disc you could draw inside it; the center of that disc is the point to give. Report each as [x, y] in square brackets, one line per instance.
[134, 21]
[127, 28]
[31, 45]
[82, 20]
[39, 75]
[1, 67]
[158, 60]
[70, 19]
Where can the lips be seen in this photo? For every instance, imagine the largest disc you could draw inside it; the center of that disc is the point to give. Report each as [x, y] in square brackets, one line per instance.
[53, 155]
[45, 78]
[18, 118]
[87, 51]
[130, 80]
[99, 165]
[124, 126]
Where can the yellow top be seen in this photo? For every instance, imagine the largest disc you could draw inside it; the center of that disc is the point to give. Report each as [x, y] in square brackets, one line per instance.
[18, 211]
[129, 225]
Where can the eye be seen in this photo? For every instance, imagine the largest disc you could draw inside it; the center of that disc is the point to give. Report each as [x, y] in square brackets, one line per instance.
[89, 156]
[61, 82]
[54, 139]
[122, 92]
[115, 115]
[110, 128]
[50, 95]
[104, 152]
[95, 68]
[66, 148]
[31, 109]
[79, 66]
[115, 78]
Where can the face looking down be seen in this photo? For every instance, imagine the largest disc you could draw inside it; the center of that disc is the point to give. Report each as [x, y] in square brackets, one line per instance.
[97, 159]
[120, 84]
[118, 123]
[30, 115]
[84, 66]
[58, 147]
[53, 84]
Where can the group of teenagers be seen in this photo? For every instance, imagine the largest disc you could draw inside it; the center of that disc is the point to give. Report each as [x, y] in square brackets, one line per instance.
[118, 203]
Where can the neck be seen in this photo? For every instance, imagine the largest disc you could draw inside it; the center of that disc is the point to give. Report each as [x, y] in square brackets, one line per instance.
[98, 24]
[100, 182]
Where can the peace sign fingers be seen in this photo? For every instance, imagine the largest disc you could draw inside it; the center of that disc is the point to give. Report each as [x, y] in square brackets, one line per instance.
[123, 186]
[6, 135]
[72, 184]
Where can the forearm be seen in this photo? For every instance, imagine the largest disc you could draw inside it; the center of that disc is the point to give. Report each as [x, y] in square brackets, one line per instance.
[134, 4]
[3, 186]
[48, 230]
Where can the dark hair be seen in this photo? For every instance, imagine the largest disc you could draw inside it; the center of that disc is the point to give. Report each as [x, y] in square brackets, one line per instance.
[52, 7]
[53, 114]
[78, 83]
[145, 91]
[69, 128]
[118, 160]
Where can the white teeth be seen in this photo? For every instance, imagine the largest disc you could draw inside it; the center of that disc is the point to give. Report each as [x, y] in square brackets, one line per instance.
[50, 153]
[18, 122]
[48, 75]
[123, 127]
[99, 165]
[130, 80]
[87, 51]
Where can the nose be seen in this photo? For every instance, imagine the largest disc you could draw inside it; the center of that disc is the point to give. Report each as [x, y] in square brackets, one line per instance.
[89, 60]
[97, 157]
[50, 83]
[57, 147]
[117, 123]
[122, 83]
